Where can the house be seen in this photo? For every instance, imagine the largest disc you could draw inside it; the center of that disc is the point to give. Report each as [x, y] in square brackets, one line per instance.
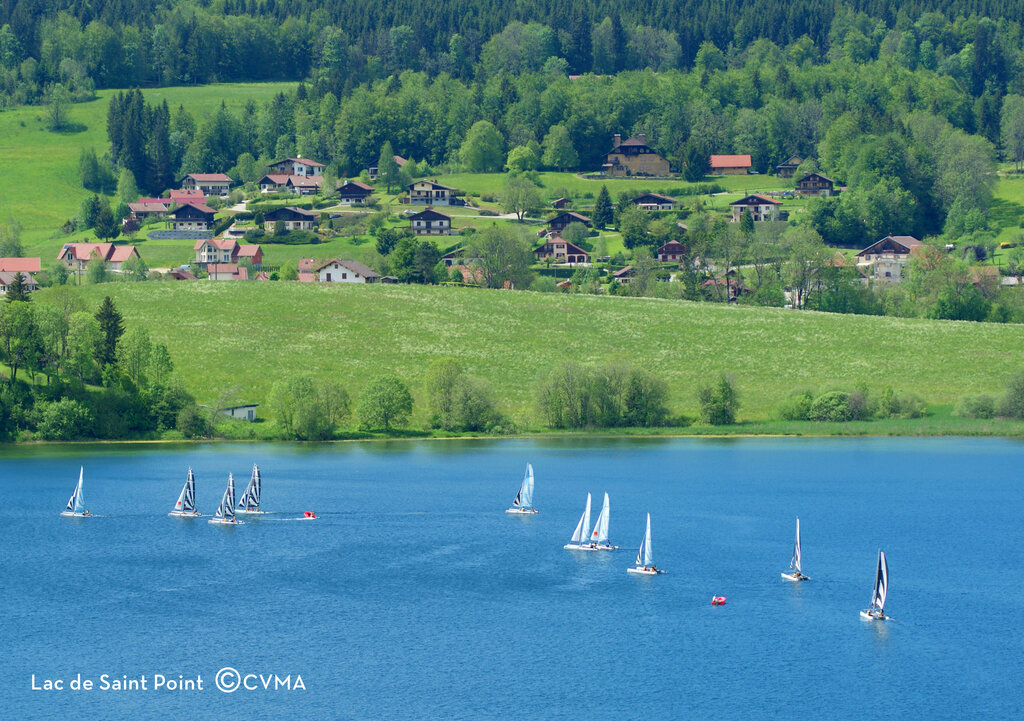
[457, 256]
[788, 168]
[654, 201]
[207, 183]
[623, 276]
[142, 211]
[21, 265]
[760, 207]
[735, 286]
[339, 270]
[730, 164]
[187, 196]
[253, 252]
[430, 222]
[634, 157]
[430, 192]
[273, 182]
[192, 216]
[291, 218]
[563, 219]
[672, 251]
[561, 251]
[76, 256]
[246, 412]
[304, 184]
[297, 166]
[306, 277]
[28, 281]
[307, 265]
[373, 171]
[814, 185]
[354, 193]
[227, 271]
[561, 203]
[885, 259]
[180, 274]
[215, 250]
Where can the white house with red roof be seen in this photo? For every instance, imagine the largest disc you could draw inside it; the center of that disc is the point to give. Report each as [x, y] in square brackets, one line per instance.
[208, 183]
[192, 216]
[885, 259]
[75, 256]
[297, 166]
[761, 207]
[339, 270]
[226, 250]
[227, 271]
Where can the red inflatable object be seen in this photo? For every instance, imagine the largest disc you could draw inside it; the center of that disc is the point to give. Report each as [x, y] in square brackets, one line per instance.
[309, 514]
[718, 600]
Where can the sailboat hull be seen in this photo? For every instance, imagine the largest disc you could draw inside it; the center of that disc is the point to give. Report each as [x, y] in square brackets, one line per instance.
[588, 547]
[72, 514]
[226, 522]
[644, 572]
[243, 512]
[184, 514]
[521, 511]
[795, 577]
[868, 616]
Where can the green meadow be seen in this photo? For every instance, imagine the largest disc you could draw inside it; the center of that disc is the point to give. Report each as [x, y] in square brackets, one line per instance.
[232, 341]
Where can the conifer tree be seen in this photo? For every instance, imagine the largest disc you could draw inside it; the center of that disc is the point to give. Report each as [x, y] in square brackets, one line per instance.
[602, 215]
[112, 327]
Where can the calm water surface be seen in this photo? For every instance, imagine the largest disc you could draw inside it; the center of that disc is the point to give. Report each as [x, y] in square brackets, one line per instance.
[415, 597]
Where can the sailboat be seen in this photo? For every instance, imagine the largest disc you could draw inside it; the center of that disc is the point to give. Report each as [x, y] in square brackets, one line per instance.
[644, 557]
[225, 514]
[877, 610]
[186, 505]
[598, 540]
[76, 504]
[795, 572]
[249, 503]
[579, 536]
[523, 504]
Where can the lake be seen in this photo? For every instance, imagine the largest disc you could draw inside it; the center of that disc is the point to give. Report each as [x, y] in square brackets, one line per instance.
[414, 596]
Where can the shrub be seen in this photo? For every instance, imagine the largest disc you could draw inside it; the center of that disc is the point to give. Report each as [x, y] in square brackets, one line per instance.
[63, 420]
[906, 405]
[718, 402]
[1012, 404]
[980, 406]
[832, 406]
[795, 408]
[385, 402]
[193, 422]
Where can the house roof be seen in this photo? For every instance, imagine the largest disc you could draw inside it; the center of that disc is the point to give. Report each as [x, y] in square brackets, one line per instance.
[303, 161]
[633, 141]
[228, 269]
[357, 184]
[154, 201]
[906, 242]
[791, 161]
[573, 215]
[275, 178]
[306, 181]
[628, 270]
[400, 160]
[218, 243]
[248, 251]
[307, 264]
[271, 214]
[179, 196]
[671, 245]
[569, 247]
[121, 253]
[84, 251]
[201, 177]
[147, 207]
[807, 176]
[432, 183]
[198, 205]
[656, 196]
[21, 265]
[755, 199]
[354, 265]
[429, 214]
[7, 277]
[179, 274]
[730, 161]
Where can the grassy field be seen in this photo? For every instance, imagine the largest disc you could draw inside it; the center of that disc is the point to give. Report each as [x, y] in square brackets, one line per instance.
[244, 336]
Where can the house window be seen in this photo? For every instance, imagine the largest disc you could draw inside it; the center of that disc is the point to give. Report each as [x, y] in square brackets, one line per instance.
[344, 276]
[328, 277]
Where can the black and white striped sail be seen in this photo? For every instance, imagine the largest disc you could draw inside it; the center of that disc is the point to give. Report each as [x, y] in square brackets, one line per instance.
[76, 504]
[881, 584]
[794, 564]
[524, 498]
[250, 500]
[583, 527]
[226, 509]
[187, 500]
[600, 532]
[645, 557]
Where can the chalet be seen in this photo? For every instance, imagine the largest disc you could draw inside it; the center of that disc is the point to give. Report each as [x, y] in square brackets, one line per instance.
[297, 166]
[245, 412]
[304, 184]
[672, 252]
[885, 259]
[253, 252]
[561, 203]
[291, 219]
[561, 251]
[186, 196]
[208, 183]
[624, 275]
[21, 265]
[374, 172]
[815, 185]
[192, 216]
[654, 201]
[180, 274]
[227, 271]
[560, 221]
[734, 286]
[345, 271]
[634, 157]
[760, 207]
[142, 211]
[215, 250]
[28, 281]
[430, 222]
[788, 168]
[430, 192]
[273, 182]
[730, 164]
[354, 193]
[76, 256]
[457, 256]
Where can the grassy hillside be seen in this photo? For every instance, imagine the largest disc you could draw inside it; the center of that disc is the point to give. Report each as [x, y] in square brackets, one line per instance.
[244, 336]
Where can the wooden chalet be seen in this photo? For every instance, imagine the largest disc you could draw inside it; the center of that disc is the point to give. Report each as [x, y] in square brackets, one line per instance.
[814, 185]
[291, 218]
[430, 222]
[192, 215]
[354, 193]
[672, 252]
[561, 251]
[761, 207]
[787, 168]
[634, 157]
[565, 218]
[654, 201]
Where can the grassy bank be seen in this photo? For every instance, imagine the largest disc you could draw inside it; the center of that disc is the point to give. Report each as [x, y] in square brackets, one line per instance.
[232, 341]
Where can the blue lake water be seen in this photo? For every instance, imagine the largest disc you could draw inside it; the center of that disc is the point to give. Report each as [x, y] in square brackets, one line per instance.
[415, 597]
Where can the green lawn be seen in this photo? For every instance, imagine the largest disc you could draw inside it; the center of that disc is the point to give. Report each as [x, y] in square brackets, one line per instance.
[226, 335]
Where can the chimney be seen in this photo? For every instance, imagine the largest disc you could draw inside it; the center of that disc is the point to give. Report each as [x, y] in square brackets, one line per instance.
[618, 140]
[642, 137]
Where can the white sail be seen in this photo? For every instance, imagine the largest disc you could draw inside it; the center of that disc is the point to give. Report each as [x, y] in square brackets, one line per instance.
[528, 487]
[580, 534]
[76, 504]
[600, 532]
[795, 563]
[648, 554]
[881, 584]
[187, 499]
[250, 499]
[226, 509]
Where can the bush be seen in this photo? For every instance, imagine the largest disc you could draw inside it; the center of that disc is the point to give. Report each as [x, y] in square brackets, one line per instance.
[63, 420]
[308, 410]
[193, 422]
[833, 406]
[980, 406]
[718, 402]
[907, 405]
[795, 408]
[575, 396]
[1012, 404]
[385, 402]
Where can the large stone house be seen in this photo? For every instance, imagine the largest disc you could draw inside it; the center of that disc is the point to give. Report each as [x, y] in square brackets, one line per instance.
[761, 207]
[291, 219]
[634, 157]
[560, 250]
[654, 201]
[730, 164]
[339, 270]
[430, 192]
[208, 183]
[75, 256]
[192, 216]
[884, 260]
[815, 185]
[297, 166]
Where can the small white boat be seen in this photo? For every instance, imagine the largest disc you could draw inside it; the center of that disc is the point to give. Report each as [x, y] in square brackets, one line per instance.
[76, 504]
[877, 610]
[249, 503]
[645, 557]
[579, 536]
[225, 515]
[186, 505]
[599, 536]
[795, 572]
[523, 503]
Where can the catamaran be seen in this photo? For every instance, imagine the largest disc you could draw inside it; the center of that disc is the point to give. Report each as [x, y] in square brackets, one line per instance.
[598, 540]
[249, 503]
[186, 505]
[877, 610]
[644, 557]
[225, 514]
[579, 536]
[795, 572]
[76, 504]
[523, 504]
